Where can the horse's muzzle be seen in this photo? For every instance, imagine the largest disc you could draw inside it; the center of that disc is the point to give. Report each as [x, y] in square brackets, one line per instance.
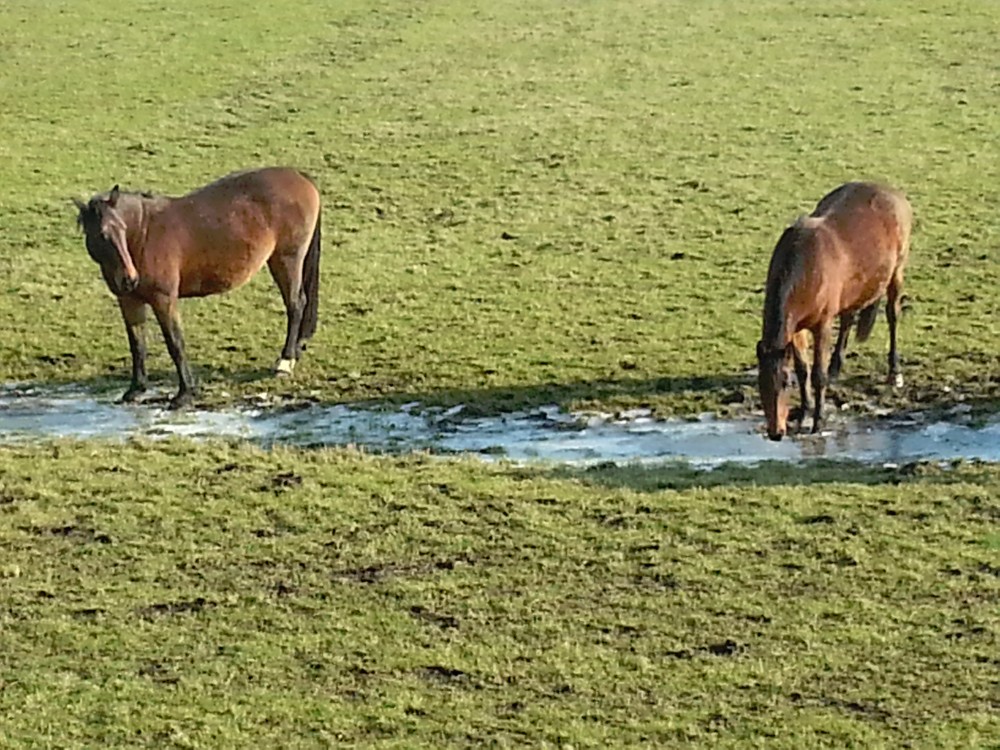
[128, 285]
[775, 436]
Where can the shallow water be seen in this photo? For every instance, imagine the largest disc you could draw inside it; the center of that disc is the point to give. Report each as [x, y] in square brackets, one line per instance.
[543, 434]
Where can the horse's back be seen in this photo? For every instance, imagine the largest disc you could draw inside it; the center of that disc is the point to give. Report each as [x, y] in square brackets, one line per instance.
[272, 186]
[262, 178]
[273, 205]
[217, 237]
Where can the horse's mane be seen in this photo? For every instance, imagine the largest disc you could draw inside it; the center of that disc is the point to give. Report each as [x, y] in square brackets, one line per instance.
[141, 193]
[89, 212]
[783, 272]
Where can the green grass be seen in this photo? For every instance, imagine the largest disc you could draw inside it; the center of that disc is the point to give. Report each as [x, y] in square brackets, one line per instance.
[306, 599]
[525, 203]
[643, 155]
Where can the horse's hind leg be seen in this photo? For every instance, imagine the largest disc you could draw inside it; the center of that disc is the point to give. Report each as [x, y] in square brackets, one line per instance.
[286, 270]
[837, 360]
[821, 339]
[892, 309]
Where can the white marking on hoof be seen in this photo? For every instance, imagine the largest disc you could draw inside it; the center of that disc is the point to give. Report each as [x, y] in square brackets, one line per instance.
[284, 367]
[896, 380]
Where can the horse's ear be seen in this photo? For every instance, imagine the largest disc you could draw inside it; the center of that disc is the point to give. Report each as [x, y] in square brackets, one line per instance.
[81, 211]
[760, 350]
[113, 196]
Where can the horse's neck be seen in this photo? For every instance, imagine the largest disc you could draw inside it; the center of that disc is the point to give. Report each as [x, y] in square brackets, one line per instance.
[137, 212]
[785, 272]
[776, 334]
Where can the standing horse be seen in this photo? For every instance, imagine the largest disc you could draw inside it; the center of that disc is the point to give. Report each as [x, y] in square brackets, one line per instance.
[839, 261]
[153, 250]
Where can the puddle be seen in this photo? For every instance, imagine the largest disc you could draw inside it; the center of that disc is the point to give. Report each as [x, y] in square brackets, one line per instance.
[543, 434]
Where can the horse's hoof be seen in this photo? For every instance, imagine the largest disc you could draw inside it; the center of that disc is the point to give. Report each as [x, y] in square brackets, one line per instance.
[132, 395]
[896, 380]
[284, 367]
[798, 414]
[182, 400]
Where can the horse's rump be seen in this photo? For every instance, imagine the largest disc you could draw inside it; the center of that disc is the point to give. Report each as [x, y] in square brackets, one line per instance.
[250, 205]
[868, 217]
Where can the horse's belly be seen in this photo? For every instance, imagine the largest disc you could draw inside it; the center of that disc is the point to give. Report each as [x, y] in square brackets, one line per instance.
[202, 281]
[868, 294]
[206, 285]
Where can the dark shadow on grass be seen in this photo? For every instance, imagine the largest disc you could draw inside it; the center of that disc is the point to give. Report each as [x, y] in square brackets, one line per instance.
[680, 476]
[115, 383]
[219, 376]
[490, 401]
[484, 401]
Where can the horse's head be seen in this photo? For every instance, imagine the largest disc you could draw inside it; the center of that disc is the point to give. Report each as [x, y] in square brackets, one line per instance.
[105, 231]
[773, 378]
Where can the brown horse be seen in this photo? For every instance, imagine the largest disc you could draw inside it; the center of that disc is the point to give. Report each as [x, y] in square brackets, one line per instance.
[153, 250]
[839, 261]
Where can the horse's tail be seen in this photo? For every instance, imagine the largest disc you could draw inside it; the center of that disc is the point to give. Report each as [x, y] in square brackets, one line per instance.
[866, 321]
[310, 283]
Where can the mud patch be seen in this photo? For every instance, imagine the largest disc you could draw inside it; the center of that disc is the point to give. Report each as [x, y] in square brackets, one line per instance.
[441, 675]
[193, 606]
[69, 531]
[544, 434]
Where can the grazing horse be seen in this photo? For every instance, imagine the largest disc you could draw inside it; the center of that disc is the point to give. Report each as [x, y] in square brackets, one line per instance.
[839, 261]
[153, 250]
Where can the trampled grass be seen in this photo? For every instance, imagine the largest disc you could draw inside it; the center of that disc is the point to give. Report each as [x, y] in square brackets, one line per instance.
[525, 203]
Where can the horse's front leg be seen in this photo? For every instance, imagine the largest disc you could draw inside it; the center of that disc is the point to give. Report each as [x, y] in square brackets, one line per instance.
[134, 315]
[802, 376]
[169, 319]
[820, 379]
[837, 361]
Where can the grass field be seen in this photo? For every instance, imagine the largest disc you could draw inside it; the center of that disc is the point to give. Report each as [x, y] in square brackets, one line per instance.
[644, 157]
[524, 203]
[292, 599]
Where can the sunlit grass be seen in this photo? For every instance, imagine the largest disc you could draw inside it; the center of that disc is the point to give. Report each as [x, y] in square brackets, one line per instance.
[524, 203]
[639, 158]
[306, 598]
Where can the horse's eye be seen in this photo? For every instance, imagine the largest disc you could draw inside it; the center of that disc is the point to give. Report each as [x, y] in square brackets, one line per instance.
[786, 379]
